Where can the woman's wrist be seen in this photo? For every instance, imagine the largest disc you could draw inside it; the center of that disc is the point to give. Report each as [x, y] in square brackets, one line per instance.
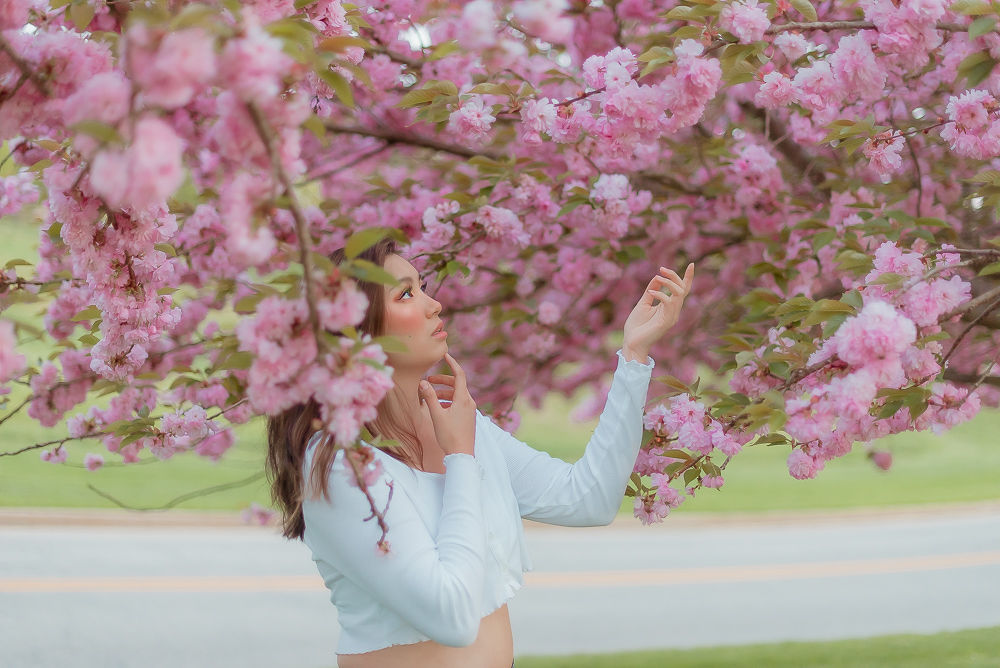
[635, 354]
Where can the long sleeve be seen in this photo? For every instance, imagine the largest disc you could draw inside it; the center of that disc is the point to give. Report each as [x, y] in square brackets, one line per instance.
[589, 492]
[436, 586]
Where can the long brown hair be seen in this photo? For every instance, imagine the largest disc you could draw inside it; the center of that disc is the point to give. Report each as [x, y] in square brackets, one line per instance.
[288, 432]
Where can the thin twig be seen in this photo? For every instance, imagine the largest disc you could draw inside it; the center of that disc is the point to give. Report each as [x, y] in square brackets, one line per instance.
[301, 226]
[957, 340]
[25, 67]
[14, 412]
[348, 165]
[971, 304]
[183, 497]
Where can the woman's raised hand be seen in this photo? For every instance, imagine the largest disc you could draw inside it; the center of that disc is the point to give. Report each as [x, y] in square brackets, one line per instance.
[454, 425]
[656, 312]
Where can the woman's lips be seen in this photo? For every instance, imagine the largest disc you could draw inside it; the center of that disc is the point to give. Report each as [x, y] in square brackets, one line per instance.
[440, 334]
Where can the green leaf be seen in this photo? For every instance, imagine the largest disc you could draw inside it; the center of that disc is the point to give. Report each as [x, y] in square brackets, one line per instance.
[971, 7]
[779, 369]
[166, 248]
[890, 408]
[339, 43]
[248, 304]
[88, 313]
[340, 86]
[15, 263]
[805, 8]
[238, 360]
[427, 94]
[674, 382]
[362, 240]
[81, 14]
[681, 13]
[443, 50]
[853, 297]
[976, 67]
[368, 271]
[98, 130]
[454, 267]
[981, 26]
[194, 15]
[391, 344]
[993, 268]
[690, 475]
[852, 261]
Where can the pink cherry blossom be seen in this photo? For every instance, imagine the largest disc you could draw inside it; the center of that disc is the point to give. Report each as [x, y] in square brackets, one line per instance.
[802, 466]
[883, 150]
[471, 119]
[746, 19]
[92, 461]
[775, 91]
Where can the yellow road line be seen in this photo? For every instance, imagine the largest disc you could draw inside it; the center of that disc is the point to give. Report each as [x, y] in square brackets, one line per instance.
[538, 580]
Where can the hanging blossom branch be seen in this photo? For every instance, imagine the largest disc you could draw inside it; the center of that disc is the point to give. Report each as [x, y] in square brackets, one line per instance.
[96, 434]
[378, 515]
[154, 356]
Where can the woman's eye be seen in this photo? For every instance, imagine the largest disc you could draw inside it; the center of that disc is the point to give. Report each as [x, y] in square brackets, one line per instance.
[423, 287]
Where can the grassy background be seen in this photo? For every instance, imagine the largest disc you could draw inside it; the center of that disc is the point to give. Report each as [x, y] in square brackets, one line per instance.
[969, 649]
[961, 465]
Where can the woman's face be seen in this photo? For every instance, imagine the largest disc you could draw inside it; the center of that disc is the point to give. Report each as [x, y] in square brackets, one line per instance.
[411, 315]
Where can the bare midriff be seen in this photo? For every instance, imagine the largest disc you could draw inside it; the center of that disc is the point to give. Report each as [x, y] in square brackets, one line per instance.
[493, 648]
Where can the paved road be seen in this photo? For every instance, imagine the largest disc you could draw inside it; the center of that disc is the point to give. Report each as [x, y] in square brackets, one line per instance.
[241, 596]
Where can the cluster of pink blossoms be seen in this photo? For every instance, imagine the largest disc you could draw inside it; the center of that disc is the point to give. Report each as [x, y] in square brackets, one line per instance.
[747, 20]
[16, 191]
[974, 130]
[684, 423]
[12, 363]
[287, 368]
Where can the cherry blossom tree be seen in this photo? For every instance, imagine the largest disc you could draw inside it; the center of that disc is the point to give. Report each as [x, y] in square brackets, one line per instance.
[831, 169]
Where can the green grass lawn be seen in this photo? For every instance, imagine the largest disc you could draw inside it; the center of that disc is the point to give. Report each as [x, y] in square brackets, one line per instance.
[978, 647]
[960, 465]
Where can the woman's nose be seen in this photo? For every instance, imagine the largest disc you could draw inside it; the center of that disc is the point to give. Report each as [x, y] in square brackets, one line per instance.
[435, 306]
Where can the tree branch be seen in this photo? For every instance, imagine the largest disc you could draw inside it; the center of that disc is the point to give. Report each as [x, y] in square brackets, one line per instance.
[401, 138]
[848, 25]
[25, 68]
[183, 497]
[301, 227]
[972, 304]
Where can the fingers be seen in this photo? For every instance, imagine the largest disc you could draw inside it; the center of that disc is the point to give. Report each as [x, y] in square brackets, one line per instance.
[430, 398]
[675, 287]
[659, 296]
[441, 379]
[688, 274]
[460, 386]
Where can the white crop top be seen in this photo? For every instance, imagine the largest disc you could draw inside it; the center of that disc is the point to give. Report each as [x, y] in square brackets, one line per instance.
[456, 540]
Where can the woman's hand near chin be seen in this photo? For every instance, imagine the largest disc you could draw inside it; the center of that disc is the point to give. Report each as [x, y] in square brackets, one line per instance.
[454, 425]
[656, 312]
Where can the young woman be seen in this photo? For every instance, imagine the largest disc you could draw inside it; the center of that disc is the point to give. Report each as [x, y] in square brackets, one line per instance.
[460, 486]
